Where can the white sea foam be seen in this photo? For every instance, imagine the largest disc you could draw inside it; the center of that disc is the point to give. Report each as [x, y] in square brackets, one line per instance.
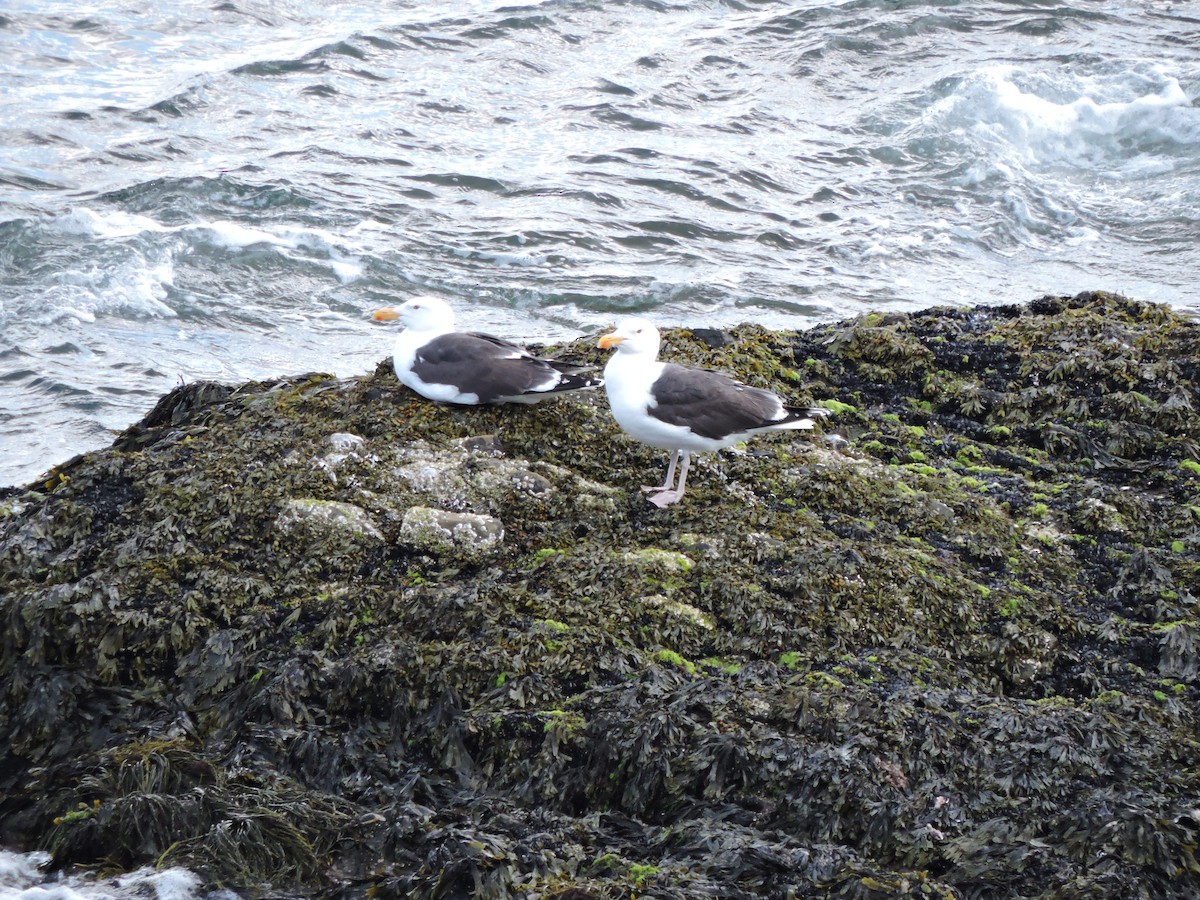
[310, 244]
[167, 884]
[501, 259]
[20, 869]
[134, 287]
[131, 260]
[114, 225]
[22, 878]
[1059, 154]
[106, 225]
[1097, 123]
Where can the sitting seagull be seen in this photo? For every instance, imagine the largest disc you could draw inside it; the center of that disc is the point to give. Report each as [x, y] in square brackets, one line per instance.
[684, 409]
[465, 367]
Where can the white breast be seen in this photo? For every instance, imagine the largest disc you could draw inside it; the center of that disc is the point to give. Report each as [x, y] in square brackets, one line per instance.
[627, 380]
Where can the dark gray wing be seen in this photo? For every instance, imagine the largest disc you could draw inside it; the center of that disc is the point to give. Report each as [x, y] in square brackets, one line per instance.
[498, 343]
[489, 367]
[711, 404]
[556, 364]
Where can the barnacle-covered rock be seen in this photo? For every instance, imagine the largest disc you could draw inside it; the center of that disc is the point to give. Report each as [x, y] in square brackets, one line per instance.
[318, 635]
[320, 520]
[442, 531]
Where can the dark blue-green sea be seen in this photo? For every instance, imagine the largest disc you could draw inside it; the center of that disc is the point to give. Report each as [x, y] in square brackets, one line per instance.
[226, 189]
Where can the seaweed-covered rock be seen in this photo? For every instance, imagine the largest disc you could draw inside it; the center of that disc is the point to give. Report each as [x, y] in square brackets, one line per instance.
[467, 534]
[333, 520]
[320, 635]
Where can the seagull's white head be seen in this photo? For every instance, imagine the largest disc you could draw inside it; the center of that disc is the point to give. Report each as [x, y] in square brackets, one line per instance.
[635, 336]
[420, 314]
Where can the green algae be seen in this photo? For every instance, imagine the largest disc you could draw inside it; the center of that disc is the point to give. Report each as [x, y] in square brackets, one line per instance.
[837, 406]
[820, 674]
[671, 658]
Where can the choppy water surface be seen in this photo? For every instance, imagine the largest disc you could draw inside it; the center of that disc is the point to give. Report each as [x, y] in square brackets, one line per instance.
[22, 878]
[226, 190]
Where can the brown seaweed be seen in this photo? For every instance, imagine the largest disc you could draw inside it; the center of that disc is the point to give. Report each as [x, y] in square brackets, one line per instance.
[322, 636]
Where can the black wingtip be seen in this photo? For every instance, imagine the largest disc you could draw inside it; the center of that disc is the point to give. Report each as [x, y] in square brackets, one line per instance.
[578, 382]
[809, 412]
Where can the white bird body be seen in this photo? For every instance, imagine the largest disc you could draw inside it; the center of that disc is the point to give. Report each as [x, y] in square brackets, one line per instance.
[685, 409]
[469, 368]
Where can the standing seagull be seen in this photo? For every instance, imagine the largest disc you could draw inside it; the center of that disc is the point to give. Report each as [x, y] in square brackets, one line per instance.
[684, 409]
[465, 367]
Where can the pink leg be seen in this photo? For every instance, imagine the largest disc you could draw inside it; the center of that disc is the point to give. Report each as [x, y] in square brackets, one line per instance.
[670, 480]
[667, 497]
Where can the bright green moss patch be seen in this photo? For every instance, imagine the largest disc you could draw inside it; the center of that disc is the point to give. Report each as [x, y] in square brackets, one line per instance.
[837, 407]
[922, 469]
[671, 658]
[969, 455]
[1010, 606]
[790, 659]
[641, 873]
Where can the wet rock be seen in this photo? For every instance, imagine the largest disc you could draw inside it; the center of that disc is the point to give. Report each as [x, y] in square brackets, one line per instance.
[659, 560]
[326, 520]
[713, 337]
[320, 636]
[445, 531]
[684, 610]
[465, 480]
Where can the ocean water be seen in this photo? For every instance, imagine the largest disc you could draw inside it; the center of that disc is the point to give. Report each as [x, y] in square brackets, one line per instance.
[226, 190]
[22, 878]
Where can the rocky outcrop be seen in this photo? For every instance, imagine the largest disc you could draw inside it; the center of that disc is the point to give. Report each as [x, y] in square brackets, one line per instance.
[322, 635]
